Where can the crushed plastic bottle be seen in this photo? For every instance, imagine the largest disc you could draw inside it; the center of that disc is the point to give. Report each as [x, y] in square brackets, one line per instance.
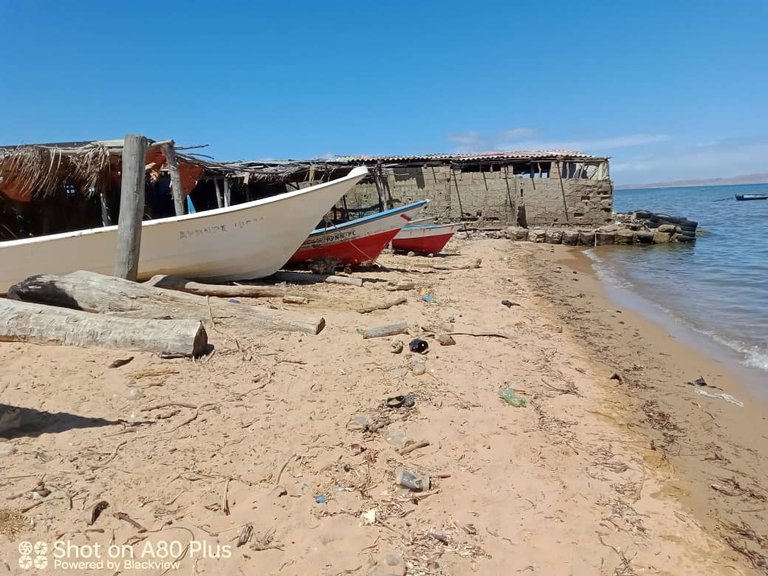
[412, 480]
[509, 396]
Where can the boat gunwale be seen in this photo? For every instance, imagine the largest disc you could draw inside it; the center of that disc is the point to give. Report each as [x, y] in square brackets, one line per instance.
[449, 225]
[370, 218]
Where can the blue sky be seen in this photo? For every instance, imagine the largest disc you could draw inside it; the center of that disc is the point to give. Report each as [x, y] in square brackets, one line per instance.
[667, 89]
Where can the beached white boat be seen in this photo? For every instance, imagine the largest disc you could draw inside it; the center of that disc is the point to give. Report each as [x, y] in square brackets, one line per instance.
[245, 241]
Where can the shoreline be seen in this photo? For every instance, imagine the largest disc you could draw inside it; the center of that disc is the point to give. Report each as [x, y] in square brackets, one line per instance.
[707, 344]
[718, 450]
[288, 441]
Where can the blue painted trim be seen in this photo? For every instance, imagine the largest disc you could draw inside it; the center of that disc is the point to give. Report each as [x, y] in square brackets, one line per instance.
[371, 218]
[415, 226]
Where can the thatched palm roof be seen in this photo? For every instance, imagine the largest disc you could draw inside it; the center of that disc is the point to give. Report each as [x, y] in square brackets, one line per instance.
[37, 172]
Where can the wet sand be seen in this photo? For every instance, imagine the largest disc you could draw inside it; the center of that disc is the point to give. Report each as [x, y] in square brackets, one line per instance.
[284, 443]
[717, 449]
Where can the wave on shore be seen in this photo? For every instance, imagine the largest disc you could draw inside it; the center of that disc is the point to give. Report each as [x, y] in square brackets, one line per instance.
[639, 298]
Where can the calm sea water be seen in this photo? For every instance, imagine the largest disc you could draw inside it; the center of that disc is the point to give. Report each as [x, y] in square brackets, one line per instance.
[718, 286]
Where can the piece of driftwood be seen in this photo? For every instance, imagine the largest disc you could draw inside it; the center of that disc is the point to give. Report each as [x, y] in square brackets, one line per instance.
[436, 266]
[223, 291]
[27, 322]
[383, 305]
[481, 334]
[407, 449]
[309, 278]
[389, 330]
[295, 300]
[97, 293]
[403, 285]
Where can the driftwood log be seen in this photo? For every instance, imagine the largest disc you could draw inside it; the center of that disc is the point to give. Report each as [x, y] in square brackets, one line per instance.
[25, 322]
[389, 330]
[476, 263]
[383, 305]
[184, 285]
[105, 294]
[309, 278]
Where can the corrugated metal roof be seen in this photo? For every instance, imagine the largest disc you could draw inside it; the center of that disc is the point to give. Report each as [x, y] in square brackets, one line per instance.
[475, 157]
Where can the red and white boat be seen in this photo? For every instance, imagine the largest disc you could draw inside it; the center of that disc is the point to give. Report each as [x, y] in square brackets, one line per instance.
[358, 241]
[424, 238]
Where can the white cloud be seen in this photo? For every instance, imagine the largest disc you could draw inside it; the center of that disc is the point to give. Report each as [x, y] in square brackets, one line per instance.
[517, 133]
[520, 139]
[465, 142]
[591, 146]
[720, 159]
[471, 141]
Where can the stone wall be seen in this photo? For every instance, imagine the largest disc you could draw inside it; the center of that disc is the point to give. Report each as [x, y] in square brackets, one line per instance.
[496, 197]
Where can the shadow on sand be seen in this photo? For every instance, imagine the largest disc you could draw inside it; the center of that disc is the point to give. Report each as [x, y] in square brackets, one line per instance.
[16, 421]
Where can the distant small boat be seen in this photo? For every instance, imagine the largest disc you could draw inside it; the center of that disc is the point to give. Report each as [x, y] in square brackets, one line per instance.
[751, 196]
[424, 238]
[358, 241]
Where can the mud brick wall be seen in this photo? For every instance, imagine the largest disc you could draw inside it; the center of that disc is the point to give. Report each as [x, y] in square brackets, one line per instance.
[494, 198]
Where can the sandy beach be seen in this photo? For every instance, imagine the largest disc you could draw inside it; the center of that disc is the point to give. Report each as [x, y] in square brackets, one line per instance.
[278, 453]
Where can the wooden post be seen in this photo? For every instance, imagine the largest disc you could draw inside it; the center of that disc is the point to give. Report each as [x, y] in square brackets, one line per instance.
[562, 191]
[131, 207]
[106, 219]
[173, 169]
[219, 201]
[378, 180]
[509, 193]
[458, 196]
[227, 192]
[387, 193]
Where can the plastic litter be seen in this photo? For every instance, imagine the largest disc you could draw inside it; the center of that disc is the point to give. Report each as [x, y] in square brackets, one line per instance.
[320, 499]
[396, 438]
[405, 401]
[369, 516]
[412, 480]
[508, 394]
[722, 396]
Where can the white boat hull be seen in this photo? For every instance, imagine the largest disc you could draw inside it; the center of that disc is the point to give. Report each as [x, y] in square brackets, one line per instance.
[245, 241]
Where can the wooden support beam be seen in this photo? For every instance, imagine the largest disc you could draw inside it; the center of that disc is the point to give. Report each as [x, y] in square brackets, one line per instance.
[562, 191]
[458, 195]
[106, 218]
[173, 170]
[219, 198]
[227, 192]
[131, 207]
